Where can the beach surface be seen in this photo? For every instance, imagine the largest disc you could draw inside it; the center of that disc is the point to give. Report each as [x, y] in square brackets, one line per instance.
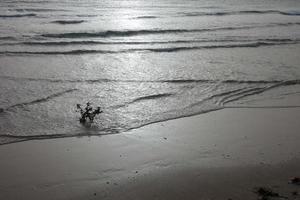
[224, 154]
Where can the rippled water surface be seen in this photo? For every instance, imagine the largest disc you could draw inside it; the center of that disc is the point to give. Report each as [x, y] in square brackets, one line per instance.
[141, 61]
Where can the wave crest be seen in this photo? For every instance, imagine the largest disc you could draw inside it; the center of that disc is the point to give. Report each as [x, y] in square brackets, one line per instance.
[18, 15]
[175, 81]
[242, 12]
[41, 100]
[64, 22]
[155, 50]
[127, 33]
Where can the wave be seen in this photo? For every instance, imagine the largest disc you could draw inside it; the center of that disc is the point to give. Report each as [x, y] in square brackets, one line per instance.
[233, 81]
[224, 98]
[104, 131]
[264, 107]
[195, 14]
[87, 15]
[93, 42]
[7, 38]
[38, 10]
[249, 92]
[9, 138]
[127, 33]
[155, 96]
[15, 2]
[149, 97]
[254, 91]
[248, 45]
[145, 17]
[18, 15]
[174, 81]
[214, 96]
[63, 22]
[72, 52]
[41, 100]
[244, 93]
[156, 50]
[292, 13]
[116, 33]
[19, 138]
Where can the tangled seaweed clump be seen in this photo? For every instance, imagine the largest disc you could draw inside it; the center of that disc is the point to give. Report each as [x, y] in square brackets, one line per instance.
[88, 113]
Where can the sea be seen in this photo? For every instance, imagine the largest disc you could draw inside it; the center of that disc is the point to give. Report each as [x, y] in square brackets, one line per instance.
[141, 61]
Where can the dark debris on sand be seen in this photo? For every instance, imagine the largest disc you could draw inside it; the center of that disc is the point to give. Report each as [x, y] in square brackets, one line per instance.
[265, 193]
[295, 181]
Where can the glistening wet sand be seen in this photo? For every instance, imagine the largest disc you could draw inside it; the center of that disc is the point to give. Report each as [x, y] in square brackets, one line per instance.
[218, 155]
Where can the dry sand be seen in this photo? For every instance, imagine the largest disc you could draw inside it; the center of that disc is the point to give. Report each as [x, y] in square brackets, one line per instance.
[218, 155]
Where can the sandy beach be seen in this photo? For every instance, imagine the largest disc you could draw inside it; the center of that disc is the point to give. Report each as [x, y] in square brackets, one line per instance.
[224, 154]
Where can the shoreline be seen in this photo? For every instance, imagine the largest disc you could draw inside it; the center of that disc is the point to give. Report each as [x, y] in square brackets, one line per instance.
[53, 137]
[226, 153]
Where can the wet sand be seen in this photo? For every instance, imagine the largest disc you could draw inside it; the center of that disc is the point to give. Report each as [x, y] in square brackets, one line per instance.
[219, 155]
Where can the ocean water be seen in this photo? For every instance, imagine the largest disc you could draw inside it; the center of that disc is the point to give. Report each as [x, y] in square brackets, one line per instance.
[142, 61]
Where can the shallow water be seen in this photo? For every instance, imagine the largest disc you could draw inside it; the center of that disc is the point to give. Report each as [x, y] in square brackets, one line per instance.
[141, 61]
